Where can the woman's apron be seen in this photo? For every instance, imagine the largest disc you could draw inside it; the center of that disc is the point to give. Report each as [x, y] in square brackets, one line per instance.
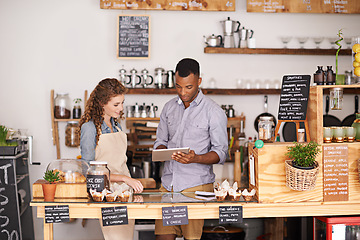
[111, 148]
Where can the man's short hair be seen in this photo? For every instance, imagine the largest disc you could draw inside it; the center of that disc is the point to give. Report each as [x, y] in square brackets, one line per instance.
[187, 66]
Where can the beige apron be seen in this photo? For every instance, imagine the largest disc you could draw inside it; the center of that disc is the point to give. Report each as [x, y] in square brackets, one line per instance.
[111, 148]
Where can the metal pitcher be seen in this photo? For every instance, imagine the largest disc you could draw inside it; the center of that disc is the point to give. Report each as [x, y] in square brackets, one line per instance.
[159, 77]
[170, 79]
[145, 76]
[132, 78]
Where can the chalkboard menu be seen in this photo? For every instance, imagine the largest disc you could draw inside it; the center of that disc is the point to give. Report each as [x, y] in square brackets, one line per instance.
[336, 173]
[175, 216]
[114, 216]
[230, 214]
[294, 97]
[57, 214]
[133, 36]
[179, 5]
[9, 218]
[304, 6]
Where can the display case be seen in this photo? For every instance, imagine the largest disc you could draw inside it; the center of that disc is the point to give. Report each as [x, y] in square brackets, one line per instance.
[336, 228]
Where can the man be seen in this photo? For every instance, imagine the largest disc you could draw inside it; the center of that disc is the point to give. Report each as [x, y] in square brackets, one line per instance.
[190, 120]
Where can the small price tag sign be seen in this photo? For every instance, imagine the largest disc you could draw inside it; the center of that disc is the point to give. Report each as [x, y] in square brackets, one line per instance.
[175, 216]
[57, 214]
[230, 214]
[114, 216]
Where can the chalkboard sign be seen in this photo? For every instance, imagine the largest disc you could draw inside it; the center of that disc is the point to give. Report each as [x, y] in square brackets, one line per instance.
[304, 6]
[95, 182]
[179, 5]
[336, 173]
[294, 97]
[9, 209]
[133, 36]
[57, 214]
[114, 216]
[175, 216]
[230, 214]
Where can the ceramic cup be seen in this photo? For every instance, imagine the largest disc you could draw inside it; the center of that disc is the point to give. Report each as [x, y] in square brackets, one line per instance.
[327, 134]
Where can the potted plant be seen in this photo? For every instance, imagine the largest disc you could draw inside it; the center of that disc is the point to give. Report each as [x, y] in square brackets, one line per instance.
[302, 168]
[6, 148]
[49, 188]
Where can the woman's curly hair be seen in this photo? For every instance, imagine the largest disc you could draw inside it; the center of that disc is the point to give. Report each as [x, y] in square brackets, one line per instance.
[100, 96]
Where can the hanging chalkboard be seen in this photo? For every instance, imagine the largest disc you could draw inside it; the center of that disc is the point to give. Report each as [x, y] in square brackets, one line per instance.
[133, 36]
[114, 216]
[294, 97]
[57, 214]
[175, 216]
[230, 214]
[304, 6]
[9, 209]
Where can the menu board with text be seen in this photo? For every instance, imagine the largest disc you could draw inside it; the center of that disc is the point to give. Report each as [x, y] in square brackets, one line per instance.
[294, 97]
[304, 6]
[336, 172]
[133, 36]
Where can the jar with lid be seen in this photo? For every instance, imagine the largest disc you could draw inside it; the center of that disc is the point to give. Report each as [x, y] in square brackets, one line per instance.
[336, 98]
[77, 108]
[72, 134]
[265, 127]
[98, 176]
[301, 135]
[62, 106]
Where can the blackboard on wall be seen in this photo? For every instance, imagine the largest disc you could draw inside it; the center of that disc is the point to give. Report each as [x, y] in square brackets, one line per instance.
[133, 36]
[9, 218]
[294, 97]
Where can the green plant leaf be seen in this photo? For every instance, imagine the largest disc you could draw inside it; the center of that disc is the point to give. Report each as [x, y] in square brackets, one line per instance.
[51, 176]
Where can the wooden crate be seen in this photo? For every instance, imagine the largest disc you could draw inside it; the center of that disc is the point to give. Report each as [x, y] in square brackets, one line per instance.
[270, 177]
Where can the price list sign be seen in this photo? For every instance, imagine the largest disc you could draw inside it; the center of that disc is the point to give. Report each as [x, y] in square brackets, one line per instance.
[175, 216]
[133, 36]
[336, 173]
[294, 97]
[114, 216]
[57, 214]
[230, 214]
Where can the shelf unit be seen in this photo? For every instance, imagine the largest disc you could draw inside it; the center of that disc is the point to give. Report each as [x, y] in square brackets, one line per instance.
[55, 121]
[277, 51]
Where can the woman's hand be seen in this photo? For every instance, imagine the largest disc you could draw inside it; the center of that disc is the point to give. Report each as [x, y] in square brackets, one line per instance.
[135, 184]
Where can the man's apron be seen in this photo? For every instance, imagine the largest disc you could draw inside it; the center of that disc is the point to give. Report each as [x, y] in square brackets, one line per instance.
[111, 148]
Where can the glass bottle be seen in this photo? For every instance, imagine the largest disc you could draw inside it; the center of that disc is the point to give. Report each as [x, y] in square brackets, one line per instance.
[266, 124]
[72, 134]
[98, 176]
[319, 76]
[77, 108]
[330, 76]
[62, 106]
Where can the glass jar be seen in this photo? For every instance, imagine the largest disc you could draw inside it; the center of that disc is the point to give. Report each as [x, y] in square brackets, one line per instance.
[266, 125]
[336, 98]
[62, 106]
[72, 134]
[301, 135]
[98, 176]
[355, 60]
[77, 108]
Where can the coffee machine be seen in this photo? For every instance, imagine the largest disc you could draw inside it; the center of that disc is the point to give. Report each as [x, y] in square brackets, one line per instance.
[229, 27]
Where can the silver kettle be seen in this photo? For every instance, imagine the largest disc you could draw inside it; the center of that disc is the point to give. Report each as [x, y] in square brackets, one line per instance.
[170, 79]
[159, 77]
[230, 26]
[213, 41]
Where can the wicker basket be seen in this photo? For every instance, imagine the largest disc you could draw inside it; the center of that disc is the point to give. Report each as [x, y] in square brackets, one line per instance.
[300, 179]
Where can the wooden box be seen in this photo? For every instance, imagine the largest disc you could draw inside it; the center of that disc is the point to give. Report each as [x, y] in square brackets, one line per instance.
[63, 190]
[270, 177]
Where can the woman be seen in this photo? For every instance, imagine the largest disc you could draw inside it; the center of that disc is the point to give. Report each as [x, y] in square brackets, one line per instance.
[103, 140]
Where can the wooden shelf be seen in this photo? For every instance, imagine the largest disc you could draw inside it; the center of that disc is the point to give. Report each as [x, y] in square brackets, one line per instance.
[215, 91]
[66, 120]
[278, 51]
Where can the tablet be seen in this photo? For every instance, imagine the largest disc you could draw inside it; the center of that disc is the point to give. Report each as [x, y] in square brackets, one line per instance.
[159, 155]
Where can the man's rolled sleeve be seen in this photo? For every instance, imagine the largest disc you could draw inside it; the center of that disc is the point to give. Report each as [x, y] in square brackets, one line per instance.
[218, 134]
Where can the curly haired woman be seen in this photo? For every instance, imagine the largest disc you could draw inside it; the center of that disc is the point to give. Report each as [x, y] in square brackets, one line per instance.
[103, 140]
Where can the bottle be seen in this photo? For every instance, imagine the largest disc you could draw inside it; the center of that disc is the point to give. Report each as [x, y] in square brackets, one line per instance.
[62, 106]
[231, 111]
[77, 108]
[266, 124]
[319, 76]
[98, 176]
[330, 76]
[72, 134]
[277, 138]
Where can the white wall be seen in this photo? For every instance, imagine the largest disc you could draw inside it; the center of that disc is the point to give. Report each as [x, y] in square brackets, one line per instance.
[71, 45]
